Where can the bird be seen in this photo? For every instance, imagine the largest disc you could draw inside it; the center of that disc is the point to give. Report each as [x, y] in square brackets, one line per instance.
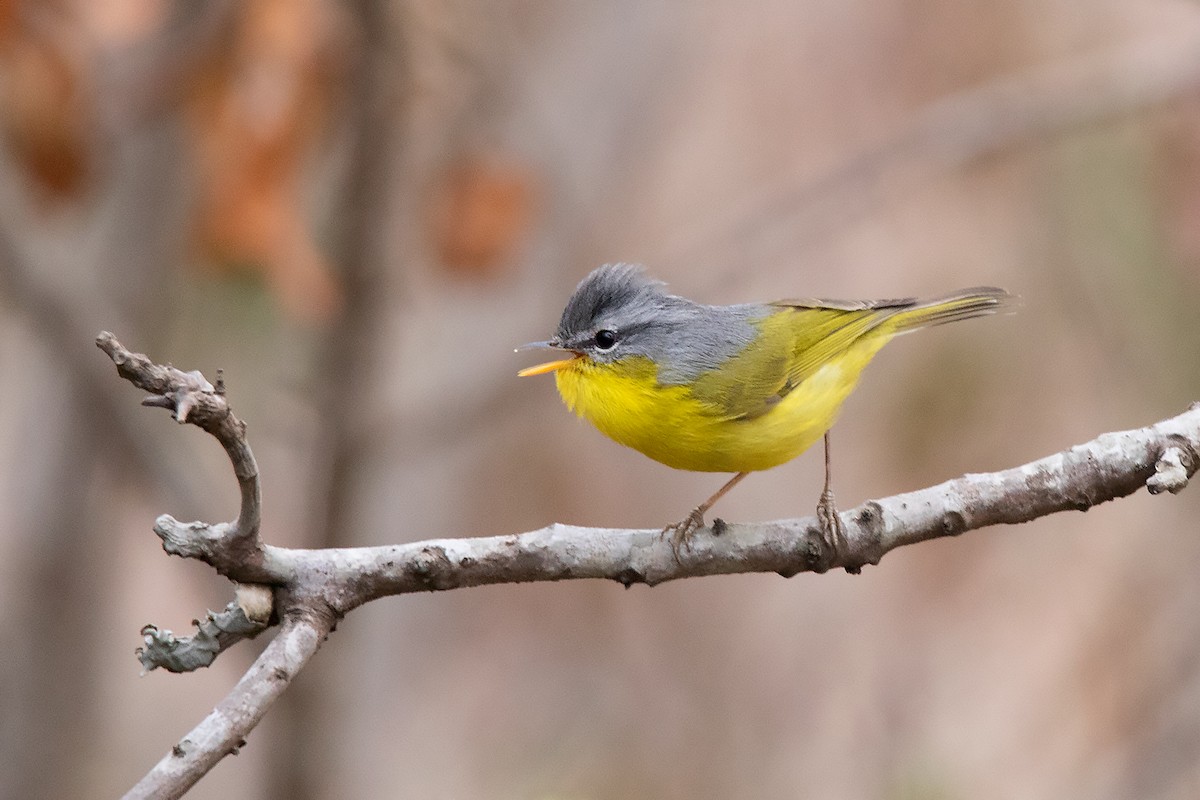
[725, 388]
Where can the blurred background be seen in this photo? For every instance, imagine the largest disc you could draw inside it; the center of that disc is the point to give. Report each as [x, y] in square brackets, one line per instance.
[357, 210]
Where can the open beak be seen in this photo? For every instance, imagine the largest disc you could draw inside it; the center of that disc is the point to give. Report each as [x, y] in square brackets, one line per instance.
[549, 366]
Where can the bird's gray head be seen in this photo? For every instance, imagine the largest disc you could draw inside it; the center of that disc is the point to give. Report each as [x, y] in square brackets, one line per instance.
[618, 312]
[612, 311]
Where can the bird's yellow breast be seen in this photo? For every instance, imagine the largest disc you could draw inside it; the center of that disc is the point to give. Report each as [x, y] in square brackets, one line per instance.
[626, 402]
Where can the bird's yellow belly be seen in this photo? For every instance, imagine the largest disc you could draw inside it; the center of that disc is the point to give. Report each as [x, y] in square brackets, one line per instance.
[668, 424]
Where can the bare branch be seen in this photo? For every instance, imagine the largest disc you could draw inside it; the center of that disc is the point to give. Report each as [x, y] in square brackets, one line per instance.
[224, 730]
[1111, 466]
[319, 586]
[193, 399]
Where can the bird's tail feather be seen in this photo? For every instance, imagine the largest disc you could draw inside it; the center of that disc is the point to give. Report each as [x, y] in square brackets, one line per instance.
[964, 304]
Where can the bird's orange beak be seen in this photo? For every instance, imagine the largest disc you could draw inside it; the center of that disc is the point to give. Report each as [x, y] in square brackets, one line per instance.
[549, 366]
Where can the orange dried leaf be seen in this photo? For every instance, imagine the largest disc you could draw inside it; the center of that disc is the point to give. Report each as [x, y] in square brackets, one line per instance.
[44, 122]
[255, 112]
[482, 210]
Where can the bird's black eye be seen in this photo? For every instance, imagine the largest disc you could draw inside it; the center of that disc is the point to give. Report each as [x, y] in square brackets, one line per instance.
[606, 339]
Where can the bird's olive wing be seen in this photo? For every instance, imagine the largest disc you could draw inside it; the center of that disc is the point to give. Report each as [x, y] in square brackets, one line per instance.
[749, 383]
[793, 343]
[825, 329]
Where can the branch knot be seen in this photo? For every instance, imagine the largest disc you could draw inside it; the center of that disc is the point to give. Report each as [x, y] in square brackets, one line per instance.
[1174, 468]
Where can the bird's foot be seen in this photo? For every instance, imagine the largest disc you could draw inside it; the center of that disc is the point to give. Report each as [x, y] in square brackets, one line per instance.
[833, 530]
[681, 532]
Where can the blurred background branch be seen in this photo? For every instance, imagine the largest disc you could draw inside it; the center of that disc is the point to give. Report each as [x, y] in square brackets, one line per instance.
[950, 133]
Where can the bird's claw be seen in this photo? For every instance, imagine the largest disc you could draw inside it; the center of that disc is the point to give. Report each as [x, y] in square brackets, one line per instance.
[833, 530]
[682, 532]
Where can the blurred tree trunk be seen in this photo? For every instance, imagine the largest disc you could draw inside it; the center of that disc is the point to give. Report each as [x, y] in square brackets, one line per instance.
[49, 674]
[309, 714]
[126, 243]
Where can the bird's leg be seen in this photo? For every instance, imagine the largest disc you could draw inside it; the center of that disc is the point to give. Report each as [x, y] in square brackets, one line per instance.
[832, 529]
[683, 531]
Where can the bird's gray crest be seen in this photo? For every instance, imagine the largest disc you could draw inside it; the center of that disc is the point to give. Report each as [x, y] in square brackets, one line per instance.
[605, 290]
